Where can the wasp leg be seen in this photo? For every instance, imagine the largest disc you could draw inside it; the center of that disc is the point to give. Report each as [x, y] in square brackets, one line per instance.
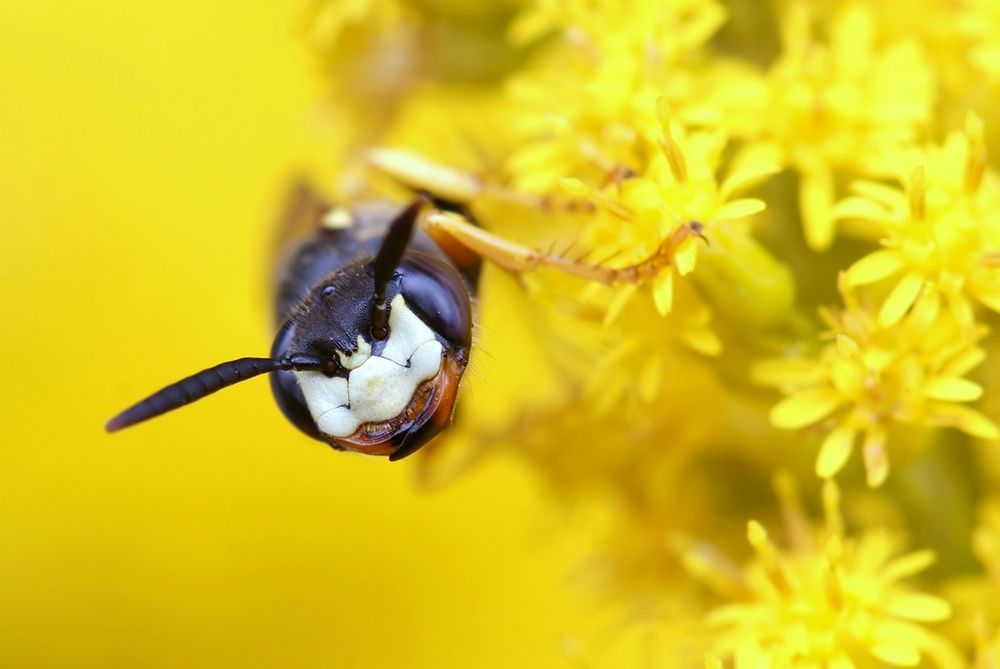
[421, 175]
[454, 189]
[517, 258]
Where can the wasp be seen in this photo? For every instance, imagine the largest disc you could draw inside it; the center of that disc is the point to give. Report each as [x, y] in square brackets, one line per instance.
[373, 312]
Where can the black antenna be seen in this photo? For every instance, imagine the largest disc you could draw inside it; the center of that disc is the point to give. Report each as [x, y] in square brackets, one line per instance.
[388, 257]
[205, 383]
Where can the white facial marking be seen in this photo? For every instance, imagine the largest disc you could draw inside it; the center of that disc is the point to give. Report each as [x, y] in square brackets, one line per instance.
[356, 359]
[378, 388]
[406, 332]
[338, 422]
[322, 393]
[381, 389]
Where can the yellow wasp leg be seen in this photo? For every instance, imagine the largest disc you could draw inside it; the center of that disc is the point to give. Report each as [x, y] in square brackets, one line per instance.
[419, 174]
[454, 229]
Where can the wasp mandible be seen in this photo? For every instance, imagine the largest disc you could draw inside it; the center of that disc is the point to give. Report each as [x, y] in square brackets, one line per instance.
[374, 313]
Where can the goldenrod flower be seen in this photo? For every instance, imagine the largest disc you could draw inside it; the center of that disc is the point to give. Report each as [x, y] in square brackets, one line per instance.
[961, 39]
[871, 376]
[627, 140]
[589, 103]
[831, 599]
[940, 229]
[836, 104]
[684, 185]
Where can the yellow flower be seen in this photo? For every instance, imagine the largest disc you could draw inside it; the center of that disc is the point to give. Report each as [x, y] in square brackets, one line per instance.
[685, 185]
[589, 103]
[871, 375]
[835, 105]
[941, 235]
[962, 39]
[830, 599]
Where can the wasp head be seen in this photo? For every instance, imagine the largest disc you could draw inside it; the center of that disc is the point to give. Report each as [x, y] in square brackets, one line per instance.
[392, 336]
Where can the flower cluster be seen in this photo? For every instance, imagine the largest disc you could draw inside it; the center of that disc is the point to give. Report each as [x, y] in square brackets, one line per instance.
[768, 237]
[831, 599]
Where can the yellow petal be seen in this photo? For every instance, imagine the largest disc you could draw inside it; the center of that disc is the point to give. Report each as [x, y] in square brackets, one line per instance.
[964, 362]
[952, 389]
[900, 299]
[618, 303]
[848, 377]
[896, 652]
[877, 359]
[847, 347]
[889, 197]
[757, 536]
[649, 378]
[859, 208]
[749, 172]
[876, 459]
[961, 309]
[804, 408]
[874, 267]
[841, 662]
[739, 209]
[924, 315]
[917, 606]
[815, 198]
[989, 296]
[908, 565]
[686, 257]
[703, 340]
[663, 292]
[834, 452]
[966, 419]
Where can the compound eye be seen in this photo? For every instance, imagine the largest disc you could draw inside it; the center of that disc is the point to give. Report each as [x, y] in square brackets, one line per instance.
[286, 390]
[436, 292]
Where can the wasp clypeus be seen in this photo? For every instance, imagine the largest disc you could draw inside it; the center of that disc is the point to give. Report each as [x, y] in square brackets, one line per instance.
[374, 313]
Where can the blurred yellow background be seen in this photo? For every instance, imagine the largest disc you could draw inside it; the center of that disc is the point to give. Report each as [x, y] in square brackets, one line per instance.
[145, 147]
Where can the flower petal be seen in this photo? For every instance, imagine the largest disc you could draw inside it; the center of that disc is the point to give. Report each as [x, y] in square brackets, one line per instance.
[834, 452]
[876, 459]
[804, 408]
[750, 170]
[860, 208]
[900, 299]
[874, 267]
[908, 565]
[964, 362]
[917, 606]
[989, 296]
[703, 340]
[896, 652]
[890, 197]
[815, 198]
[663, 292]
[966, 419]
[618, 303]
[952, 389]
[739, 209]
[686, 257]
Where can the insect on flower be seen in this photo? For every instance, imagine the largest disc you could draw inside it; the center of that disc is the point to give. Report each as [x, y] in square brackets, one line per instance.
[374, 315]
